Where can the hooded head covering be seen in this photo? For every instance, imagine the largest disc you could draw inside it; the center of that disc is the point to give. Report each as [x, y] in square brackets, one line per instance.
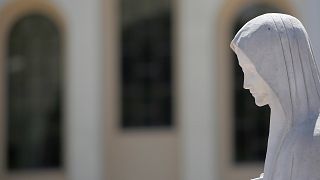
[279, 47]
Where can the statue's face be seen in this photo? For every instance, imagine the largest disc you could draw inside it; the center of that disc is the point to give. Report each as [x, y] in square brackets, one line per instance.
[253, 81]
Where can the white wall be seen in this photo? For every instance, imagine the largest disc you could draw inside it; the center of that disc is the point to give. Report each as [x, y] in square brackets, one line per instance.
[196, 31]
[84, 88]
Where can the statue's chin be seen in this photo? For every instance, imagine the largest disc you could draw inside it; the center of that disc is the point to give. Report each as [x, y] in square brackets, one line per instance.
[261, 101]
[261, 104]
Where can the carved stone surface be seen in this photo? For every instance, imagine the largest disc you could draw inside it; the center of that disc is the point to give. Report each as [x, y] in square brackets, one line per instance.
[276, 57]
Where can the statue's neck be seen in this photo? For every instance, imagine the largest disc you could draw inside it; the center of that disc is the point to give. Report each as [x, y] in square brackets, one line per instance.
[278, 126]
[278, 120]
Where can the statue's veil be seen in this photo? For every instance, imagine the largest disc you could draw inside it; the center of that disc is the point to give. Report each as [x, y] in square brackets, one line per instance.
[280, 49]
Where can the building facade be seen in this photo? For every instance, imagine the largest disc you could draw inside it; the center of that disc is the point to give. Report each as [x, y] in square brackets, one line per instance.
[131, 90]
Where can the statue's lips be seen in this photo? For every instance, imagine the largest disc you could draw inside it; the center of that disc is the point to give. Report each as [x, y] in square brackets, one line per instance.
[253, 93]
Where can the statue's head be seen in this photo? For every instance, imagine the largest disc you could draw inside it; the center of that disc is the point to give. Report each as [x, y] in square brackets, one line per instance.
[275, 54]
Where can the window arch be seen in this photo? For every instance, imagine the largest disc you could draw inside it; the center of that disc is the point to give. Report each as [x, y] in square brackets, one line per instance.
[33, 71]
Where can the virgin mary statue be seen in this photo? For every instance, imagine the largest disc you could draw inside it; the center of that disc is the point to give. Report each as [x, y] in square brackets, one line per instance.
[279, 68]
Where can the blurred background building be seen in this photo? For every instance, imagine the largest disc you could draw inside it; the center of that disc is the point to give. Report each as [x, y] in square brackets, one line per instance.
[131, 89]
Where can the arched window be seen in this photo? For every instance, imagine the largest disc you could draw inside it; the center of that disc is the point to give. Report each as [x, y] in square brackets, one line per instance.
[251, 122]
[33, 71]
[146, 63]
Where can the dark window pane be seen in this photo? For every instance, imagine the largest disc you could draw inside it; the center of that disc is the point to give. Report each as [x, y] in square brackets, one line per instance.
[34, 94]
[146, 63]
[251, 122]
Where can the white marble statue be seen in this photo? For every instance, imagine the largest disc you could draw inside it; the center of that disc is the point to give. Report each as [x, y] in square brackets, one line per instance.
[276, 57]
